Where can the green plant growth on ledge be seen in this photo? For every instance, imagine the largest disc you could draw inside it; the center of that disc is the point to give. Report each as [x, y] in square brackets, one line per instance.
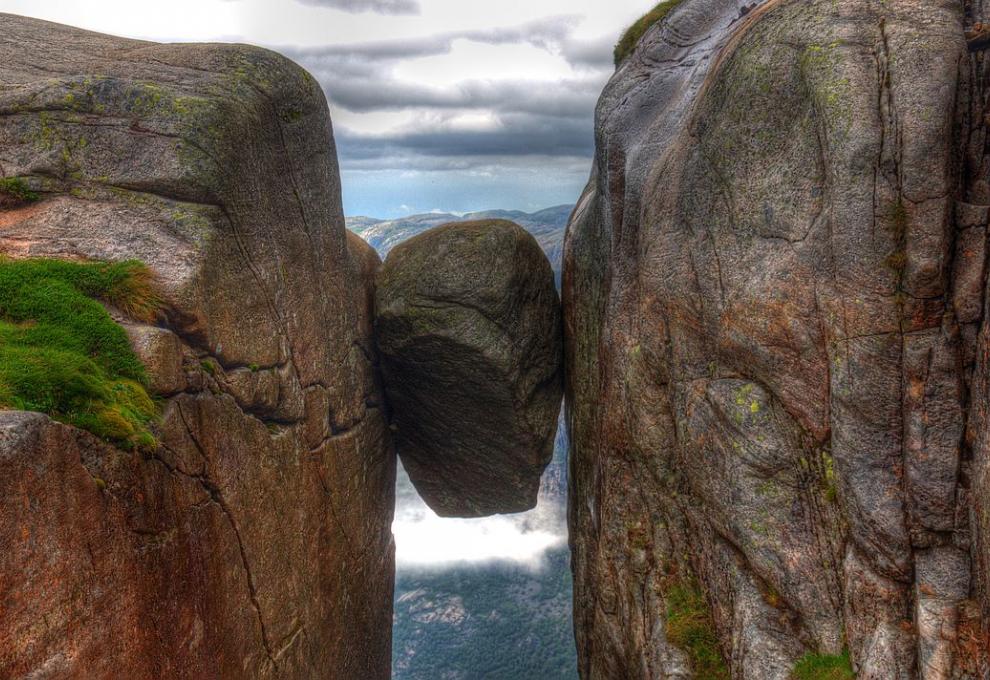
[824, 667]
[14, 190]
[62, 354]
[627, 43]
[690, 628]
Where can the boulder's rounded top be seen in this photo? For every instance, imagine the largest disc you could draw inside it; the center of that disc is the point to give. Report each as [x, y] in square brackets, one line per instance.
[479, 264]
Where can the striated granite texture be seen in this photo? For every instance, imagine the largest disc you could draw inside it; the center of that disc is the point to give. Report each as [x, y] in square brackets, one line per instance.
[255, 541]
[777, 350]
[467, 321]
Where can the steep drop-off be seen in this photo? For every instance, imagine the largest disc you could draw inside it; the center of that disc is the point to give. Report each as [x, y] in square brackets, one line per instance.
[254, 541]
[777, 349]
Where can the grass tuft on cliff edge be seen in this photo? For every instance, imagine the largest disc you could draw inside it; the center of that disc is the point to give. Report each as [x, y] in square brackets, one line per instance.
[62, 354]
[627, 43]
[690, 628]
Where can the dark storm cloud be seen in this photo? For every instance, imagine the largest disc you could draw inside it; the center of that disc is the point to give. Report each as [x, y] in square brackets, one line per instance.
[379, 6]
[571, 98]
[515, 135]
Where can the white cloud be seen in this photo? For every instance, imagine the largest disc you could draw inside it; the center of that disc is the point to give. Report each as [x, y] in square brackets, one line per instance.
[424, 539]
[440, 541]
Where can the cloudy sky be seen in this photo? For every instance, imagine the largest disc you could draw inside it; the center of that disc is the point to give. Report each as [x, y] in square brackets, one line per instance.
[452, 105]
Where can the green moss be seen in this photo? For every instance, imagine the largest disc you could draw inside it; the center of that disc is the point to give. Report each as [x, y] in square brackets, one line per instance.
[741, 395]
[690, 628]
[824, 667]
[62, 354]
[823, 69]
[15, 188]
[772, 597]
[291, 115]
[831, 486]
[634, 33]
[208, 366]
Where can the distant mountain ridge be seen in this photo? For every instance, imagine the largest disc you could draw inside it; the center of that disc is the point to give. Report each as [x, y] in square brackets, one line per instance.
[547, 226]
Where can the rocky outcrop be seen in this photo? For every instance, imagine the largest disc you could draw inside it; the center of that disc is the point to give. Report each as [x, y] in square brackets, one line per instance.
[774, 293]
[468, 325]
[255, 541]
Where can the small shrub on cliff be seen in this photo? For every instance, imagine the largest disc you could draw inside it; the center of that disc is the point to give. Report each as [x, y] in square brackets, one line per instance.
[824, 667]
[632, 36]
[690, 628]
[62, 354]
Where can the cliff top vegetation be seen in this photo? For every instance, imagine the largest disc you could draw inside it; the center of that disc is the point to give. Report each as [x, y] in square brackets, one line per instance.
[627, 43]
[62, 354]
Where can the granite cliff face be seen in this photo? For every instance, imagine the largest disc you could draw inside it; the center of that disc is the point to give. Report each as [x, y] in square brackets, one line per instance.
[777, 346]
[255, 541]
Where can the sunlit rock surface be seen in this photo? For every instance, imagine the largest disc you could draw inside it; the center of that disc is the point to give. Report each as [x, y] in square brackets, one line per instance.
[255, 542]
[468, 325]
[774, 293]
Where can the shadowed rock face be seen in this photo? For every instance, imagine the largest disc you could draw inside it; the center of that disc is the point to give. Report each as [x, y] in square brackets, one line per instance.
[774, 293]
[468, 326]
[255, 541]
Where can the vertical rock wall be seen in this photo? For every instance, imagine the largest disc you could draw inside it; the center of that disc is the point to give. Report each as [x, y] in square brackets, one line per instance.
[255, 542]
[774, 291]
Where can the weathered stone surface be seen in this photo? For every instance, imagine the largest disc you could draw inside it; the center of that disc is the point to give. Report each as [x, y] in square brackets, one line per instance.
[773, 288]
[468, 326]
[161, 352]
[256, 541]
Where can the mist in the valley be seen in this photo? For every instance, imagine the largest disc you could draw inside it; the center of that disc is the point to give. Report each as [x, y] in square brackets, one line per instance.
[425, 540]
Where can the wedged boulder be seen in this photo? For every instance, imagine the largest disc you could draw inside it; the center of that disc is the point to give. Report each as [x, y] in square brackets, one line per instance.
[773, 297]
[468, 327]
[255, 541]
